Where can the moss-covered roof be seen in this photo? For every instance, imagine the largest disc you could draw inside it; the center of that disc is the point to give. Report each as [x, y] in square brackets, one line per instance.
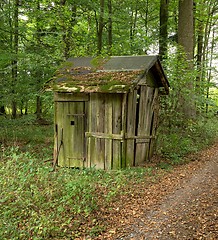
[111, 74]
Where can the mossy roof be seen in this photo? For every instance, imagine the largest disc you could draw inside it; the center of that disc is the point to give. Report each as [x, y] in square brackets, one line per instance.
[111, 74]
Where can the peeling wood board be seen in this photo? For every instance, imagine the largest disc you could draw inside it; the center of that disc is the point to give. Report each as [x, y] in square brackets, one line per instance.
[154, 124]
[108, 130]
[130, 128]
[117, 124]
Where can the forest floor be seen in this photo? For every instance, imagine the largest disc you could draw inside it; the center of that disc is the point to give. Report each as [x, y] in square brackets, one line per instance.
[181, 204]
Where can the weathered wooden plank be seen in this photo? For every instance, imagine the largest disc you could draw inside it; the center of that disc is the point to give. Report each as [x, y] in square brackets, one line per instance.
[60, 133]
[56, 146]
[140, 137]
[104, 135]
[96, 145]
[100, 112]
[123, 130]
[86, 125]
[117, 118]
[71, 97]
[149, 117]
[92, 151]
[131, 128]
[154, 124]
[143, 140]
[108, 131]
[78, 133]
[140, 147]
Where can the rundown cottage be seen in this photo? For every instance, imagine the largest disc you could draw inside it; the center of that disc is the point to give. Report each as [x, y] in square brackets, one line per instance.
[106, 111]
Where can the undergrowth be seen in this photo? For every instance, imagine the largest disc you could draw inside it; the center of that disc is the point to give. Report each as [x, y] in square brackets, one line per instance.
[176, 142]
[39, 203]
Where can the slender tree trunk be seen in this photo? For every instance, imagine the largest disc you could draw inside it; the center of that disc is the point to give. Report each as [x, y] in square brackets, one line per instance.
[38, 108]
[163, 38]
[67, 27]
[133, 26]
[2, 110]
[26, 108]
[146, 22]
[14, 63]
[200, 39]
[38, 73]
[110, 37]
[209, 75]
[100, 27]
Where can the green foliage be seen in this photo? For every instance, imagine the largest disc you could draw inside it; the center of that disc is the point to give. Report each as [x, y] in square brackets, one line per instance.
[22, 130]
[39, 203]
[176, 143]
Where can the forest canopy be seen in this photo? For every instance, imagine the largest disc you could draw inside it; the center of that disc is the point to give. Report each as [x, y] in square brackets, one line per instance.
[36, 36]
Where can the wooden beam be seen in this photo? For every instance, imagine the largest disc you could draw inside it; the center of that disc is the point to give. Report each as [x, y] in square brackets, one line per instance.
[71, 97]
[104, 135]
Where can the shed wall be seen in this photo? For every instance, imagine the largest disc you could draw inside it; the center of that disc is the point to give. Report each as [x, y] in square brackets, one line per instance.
[104, 136]
[106, 131]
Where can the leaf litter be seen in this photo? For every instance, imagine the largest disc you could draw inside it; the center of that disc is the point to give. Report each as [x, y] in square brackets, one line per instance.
[179, 204]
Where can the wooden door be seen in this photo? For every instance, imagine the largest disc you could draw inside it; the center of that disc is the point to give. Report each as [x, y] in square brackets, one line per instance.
[71, 132]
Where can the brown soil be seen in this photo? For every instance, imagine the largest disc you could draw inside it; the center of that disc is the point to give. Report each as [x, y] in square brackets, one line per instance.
[182, 204]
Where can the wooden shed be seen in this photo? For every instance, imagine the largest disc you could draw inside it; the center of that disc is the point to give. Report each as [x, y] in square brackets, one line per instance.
[106, 111]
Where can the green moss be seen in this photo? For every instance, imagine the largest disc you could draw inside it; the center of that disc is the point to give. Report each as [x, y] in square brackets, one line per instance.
[99, 61]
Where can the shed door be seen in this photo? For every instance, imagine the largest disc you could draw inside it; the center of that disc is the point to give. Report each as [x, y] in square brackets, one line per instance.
[72, 125]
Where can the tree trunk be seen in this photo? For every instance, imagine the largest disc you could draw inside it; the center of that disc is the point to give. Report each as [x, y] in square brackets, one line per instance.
[2, 110]
[110, 38]
[186, 28]
[186, 41]
[14, 62]
[100, 27]
[163, 38]
[67, 28]
[134, 17]
[38, 73]
[209, 74]
[38, 108]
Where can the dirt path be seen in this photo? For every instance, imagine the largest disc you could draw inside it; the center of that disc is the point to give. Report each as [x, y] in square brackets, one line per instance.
[182, 205]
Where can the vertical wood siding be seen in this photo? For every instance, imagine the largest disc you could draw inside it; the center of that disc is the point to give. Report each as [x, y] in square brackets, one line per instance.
[144, 124]
[105, 119]
[106, 131]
